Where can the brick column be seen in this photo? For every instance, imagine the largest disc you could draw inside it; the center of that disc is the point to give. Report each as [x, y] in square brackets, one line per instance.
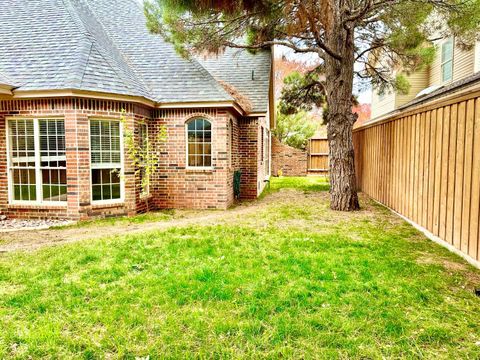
[78, 164]
[3, 164]
[248, 144]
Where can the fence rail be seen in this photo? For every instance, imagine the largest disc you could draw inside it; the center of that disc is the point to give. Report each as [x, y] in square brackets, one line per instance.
[318, 156]
[425, 164]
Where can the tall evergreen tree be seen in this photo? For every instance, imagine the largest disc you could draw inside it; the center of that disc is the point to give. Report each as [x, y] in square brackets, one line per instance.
[379, 34]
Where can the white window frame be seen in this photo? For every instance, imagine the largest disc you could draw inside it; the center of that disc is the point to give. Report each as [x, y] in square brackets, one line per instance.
[121, 200]
[147, 190]
[230, 140]
[476, 66]
[38, 168]
[267, 152]
[200, 168]
[442, 63]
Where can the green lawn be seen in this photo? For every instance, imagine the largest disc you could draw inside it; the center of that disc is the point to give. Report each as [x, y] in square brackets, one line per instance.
[292, 279]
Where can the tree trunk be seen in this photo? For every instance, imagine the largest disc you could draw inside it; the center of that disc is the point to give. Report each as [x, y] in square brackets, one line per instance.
[339, 86]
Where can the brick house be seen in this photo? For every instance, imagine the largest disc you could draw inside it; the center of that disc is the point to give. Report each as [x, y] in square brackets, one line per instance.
[71, 70]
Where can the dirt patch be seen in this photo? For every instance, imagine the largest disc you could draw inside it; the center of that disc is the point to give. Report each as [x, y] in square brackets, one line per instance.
[447, 264]
[35, 239]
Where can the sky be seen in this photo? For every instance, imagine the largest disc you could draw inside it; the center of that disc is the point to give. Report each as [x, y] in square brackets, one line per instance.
[363, 90]
[364, 95]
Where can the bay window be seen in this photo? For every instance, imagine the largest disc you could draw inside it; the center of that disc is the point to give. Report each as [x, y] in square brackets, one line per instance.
[37, 160]
[106, 160]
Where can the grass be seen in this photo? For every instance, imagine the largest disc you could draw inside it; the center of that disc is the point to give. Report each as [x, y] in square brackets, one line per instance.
[292, 280]
[312, 183]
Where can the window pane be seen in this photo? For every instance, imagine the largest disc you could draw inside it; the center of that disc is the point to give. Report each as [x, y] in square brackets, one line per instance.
[447, 50]
[105, 184]
[105, 142]
[447, 71]
[22, 159]
[199, 139]
[53, 159]
[54, 187]
[24, 185]
[207, 161]
[96, 192]
[116, 191]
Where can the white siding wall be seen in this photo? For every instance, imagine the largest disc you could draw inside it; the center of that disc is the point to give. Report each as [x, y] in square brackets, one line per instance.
[383, 105]
[463, 63]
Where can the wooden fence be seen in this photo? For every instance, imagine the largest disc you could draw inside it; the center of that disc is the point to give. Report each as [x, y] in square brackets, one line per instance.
[318, 156]
[425, 164]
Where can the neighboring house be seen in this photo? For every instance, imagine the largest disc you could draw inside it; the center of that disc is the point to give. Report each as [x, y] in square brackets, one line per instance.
[69, 69]
[451, 67]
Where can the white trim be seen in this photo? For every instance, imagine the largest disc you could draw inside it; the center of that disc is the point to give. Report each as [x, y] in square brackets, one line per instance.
[34, 94]
[38, 172]
[442, 63]
[476, 61]
[121, 200]
[434, 238]
[38, 167]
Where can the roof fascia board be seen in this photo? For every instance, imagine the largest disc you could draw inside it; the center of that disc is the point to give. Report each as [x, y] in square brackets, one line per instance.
[201, 104]
[5, 89]
[35, 94]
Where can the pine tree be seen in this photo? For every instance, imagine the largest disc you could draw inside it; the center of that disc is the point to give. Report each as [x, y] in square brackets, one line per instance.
[378, 34]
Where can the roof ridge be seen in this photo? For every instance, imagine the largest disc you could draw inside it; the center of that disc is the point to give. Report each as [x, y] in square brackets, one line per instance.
[210, 77]
[97, 44]
[6, 80]
[81, 65]
[128, 62]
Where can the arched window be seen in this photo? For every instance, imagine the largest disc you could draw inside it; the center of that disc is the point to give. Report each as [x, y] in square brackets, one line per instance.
[199, 143]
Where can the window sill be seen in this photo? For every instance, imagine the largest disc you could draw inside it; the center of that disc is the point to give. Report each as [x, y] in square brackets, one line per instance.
[200, 170]
[103, 205]
[39, 205]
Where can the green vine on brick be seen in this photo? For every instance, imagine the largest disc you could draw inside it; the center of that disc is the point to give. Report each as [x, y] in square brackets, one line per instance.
[141, 153]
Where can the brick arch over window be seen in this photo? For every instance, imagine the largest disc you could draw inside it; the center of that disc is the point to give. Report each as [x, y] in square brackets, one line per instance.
[198, 132]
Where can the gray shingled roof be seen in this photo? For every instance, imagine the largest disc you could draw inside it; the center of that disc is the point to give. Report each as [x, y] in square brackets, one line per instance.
[5, 80]
[248, 73]
[104, 46]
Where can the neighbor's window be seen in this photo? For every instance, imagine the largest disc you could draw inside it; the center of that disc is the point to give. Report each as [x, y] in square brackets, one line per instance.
[37, 166]
[447, 60]
[106, 159]
[199, 143]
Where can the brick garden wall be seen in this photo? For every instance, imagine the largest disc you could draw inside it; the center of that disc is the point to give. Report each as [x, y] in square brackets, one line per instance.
[234, 147]
[291, 161]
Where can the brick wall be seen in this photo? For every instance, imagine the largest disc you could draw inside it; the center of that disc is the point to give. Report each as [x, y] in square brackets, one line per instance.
[291, 161]
[177, 186]
[234, 147]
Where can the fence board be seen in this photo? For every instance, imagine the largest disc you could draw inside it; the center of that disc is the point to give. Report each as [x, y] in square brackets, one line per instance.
[457, 216]
[475, 199]
[426, 166]
[467, 175]
[444, 172]
[452, 152]
[318, 156]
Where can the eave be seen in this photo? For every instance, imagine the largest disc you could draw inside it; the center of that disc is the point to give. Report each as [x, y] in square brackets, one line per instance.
[37, 94]
[5, 89]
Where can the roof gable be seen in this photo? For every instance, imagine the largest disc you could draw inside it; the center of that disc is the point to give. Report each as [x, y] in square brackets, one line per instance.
[104, 46]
